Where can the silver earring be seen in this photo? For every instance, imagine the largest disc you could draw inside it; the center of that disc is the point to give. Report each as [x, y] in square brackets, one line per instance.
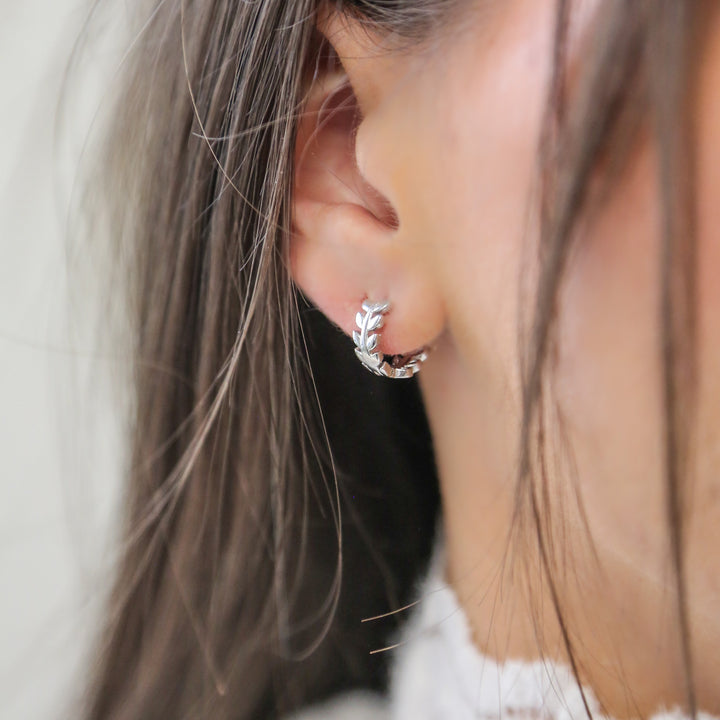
[366, 341]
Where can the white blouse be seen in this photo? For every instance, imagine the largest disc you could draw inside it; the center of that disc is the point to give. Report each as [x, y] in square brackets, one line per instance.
[439, 674]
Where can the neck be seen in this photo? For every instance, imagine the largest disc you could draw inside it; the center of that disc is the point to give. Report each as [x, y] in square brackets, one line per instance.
[622, 630]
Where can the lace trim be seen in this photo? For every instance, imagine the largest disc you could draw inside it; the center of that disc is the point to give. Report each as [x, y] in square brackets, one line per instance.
[439, 673]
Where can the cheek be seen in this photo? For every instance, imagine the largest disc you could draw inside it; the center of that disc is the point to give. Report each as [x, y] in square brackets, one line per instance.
[608, 368]
[705, 502]
[708, 212]
[486, 127]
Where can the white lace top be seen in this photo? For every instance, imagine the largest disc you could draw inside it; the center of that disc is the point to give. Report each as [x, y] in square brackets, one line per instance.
[438, 674]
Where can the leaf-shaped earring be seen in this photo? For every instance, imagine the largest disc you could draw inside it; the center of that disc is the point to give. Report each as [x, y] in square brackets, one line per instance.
[366, 342]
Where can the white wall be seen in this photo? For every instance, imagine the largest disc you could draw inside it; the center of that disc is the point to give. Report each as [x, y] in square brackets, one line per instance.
[56, 489]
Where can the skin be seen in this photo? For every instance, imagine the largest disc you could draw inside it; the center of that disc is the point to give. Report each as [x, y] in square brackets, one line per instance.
[429, 202]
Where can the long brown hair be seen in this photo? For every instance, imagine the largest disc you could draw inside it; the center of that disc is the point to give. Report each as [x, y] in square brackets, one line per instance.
[277, 494]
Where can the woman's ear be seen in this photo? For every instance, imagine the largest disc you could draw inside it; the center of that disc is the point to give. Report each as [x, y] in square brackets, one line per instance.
[347, 243]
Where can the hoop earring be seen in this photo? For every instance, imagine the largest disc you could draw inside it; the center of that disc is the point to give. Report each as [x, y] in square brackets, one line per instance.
[366, 341]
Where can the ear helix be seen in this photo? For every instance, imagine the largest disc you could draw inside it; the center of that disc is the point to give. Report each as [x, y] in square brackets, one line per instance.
[366, 341]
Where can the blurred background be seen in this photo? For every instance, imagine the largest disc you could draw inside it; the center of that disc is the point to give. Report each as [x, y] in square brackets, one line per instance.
[58, 426]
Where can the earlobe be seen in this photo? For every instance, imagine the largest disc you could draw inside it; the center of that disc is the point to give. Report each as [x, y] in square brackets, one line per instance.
[346, 246]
